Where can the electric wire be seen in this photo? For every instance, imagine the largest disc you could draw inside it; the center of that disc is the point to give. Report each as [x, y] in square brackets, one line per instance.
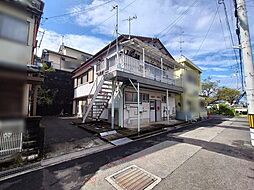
[213, 19]
[80, 11]
[170, 26]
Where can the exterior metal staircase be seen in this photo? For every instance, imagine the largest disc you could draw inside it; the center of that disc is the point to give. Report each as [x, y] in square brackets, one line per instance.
[99, 100]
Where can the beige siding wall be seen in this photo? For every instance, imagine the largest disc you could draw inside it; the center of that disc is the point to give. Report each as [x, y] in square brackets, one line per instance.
[13, 52]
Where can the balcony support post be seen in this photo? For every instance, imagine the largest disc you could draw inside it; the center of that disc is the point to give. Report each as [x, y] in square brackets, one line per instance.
[113, 105]
[167, 106]
[143, 62]
[138, 109]
[161, 68]
[137, 90]
[120, 118]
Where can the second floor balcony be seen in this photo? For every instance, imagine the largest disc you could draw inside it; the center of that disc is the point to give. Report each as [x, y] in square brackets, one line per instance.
[133, 66]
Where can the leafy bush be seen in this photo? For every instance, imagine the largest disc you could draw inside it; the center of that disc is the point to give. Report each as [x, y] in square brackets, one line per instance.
[226, 110]
[223, 109]
[213, 110]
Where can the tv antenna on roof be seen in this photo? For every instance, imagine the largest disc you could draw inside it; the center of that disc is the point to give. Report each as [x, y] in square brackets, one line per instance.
[129, 20]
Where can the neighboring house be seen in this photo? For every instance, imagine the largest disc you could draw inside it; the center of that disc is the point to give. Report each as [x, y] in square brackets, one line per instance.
[66, 59]
[58, 83]
[19, 77]
[190, 105]
[130, 87]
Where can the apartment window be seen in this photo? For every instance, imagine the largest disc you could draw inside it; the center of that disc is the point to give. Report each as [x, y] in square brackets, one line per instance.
[85, 78]
[90, 75]
[79, 81]
[75, 82]
[163, 99]
[14, 29]
[132, 97]
[145, 97]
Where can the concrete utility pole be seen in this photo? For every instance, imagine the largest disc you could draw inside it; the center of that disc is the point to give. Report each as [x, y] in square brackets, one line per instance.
[181, 43]
[129, 20]
[116, 29]
[248, 62]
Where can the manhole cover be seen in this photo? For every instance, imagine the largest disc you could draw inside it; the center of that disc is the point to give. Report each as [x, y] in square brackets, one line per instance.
[133, 177]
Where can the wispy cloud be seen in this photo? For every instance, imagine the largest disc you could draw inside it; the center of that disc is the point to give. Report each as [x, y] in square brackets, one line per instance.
[215, 56]
[52, 41]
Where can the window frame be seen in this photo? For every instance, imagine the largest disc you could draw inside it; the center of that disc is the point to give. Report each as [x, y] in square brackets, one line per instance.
[90, 72]
[134, 97]
[26, 22]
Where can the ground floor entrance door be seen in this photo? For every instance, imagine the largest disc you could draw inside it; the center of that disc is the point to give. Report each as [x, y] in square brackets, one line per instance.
[158, 110]
[155, 110]
[152, 111]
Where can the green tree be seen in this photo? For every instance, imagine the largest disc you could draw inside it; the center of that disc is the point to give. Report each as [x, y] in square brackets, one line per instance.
[209, 90]
[46, 68]
[46, 96]
[227, 94]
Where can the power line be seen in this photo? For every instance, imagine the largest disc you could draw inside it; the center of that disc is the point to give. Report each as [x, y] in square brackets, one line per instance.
[224, 37]
[213, 19]
[168, 28]
[78, 12]
[232, 40]
[115, 13]
[228, 25]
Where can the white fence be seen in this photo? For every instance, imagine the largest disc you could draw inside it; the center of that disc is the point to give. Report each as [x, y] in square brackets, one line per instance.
[10, 143]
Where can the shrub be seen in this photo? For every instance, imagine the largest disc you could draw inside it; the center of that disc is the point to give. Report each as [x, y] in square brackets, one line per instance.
[226, 110]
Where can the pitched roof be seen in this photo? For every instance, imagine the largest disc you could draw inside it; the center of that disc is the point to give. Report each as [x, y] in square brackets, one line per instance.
[68, 47]
[121, 38]
[56, 53]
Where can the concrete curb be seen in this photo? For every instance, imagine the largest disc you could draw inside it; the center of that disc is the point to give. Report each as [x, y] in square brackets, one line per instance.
[79, 154]
[51, 162]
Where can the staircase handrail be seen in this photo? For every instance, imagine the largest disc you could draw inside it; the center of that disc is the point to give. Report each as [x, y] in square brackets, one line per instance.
[90, 104]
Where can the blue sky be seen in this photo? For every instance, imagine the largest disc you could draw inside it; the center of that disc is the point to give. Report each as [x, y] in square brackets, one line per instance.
[88, 30]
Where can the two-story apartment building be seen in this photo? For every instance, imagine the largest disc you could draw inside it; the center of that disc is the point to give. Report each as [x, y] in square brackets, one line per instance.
[190, 105]
[130, 83]
[66, 59]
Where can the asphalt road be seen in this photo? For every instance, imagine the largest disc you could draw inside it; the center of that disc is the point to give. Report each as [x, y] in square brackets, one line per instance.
[60, 131]
[79, 172]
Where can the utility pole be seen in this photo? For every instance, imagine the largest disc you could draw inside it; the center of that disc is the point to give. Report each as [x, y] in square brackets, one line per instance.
[129, 20]
[116, 30]
[248, 62]
[39, 46]
[62, 40]
[114, 80]
[43, 33]
[181, 43]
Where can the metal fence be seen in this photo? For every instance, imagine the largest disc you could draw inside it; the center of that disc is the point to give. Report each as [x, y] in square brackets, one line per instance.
[10, 143]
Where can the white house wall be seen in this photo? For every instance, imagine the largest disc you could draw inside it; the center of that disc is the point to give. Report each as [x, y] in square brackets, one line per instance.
[130, 109]
[84, 89]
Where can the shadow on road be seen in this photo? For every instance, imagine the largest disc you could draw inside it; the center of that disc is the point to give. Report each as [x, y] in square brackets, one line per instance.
[75, 173]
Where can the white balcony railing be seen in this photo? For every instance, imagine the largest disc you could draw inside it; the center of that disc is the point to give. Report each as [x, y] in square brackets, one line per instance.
[137, 67]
